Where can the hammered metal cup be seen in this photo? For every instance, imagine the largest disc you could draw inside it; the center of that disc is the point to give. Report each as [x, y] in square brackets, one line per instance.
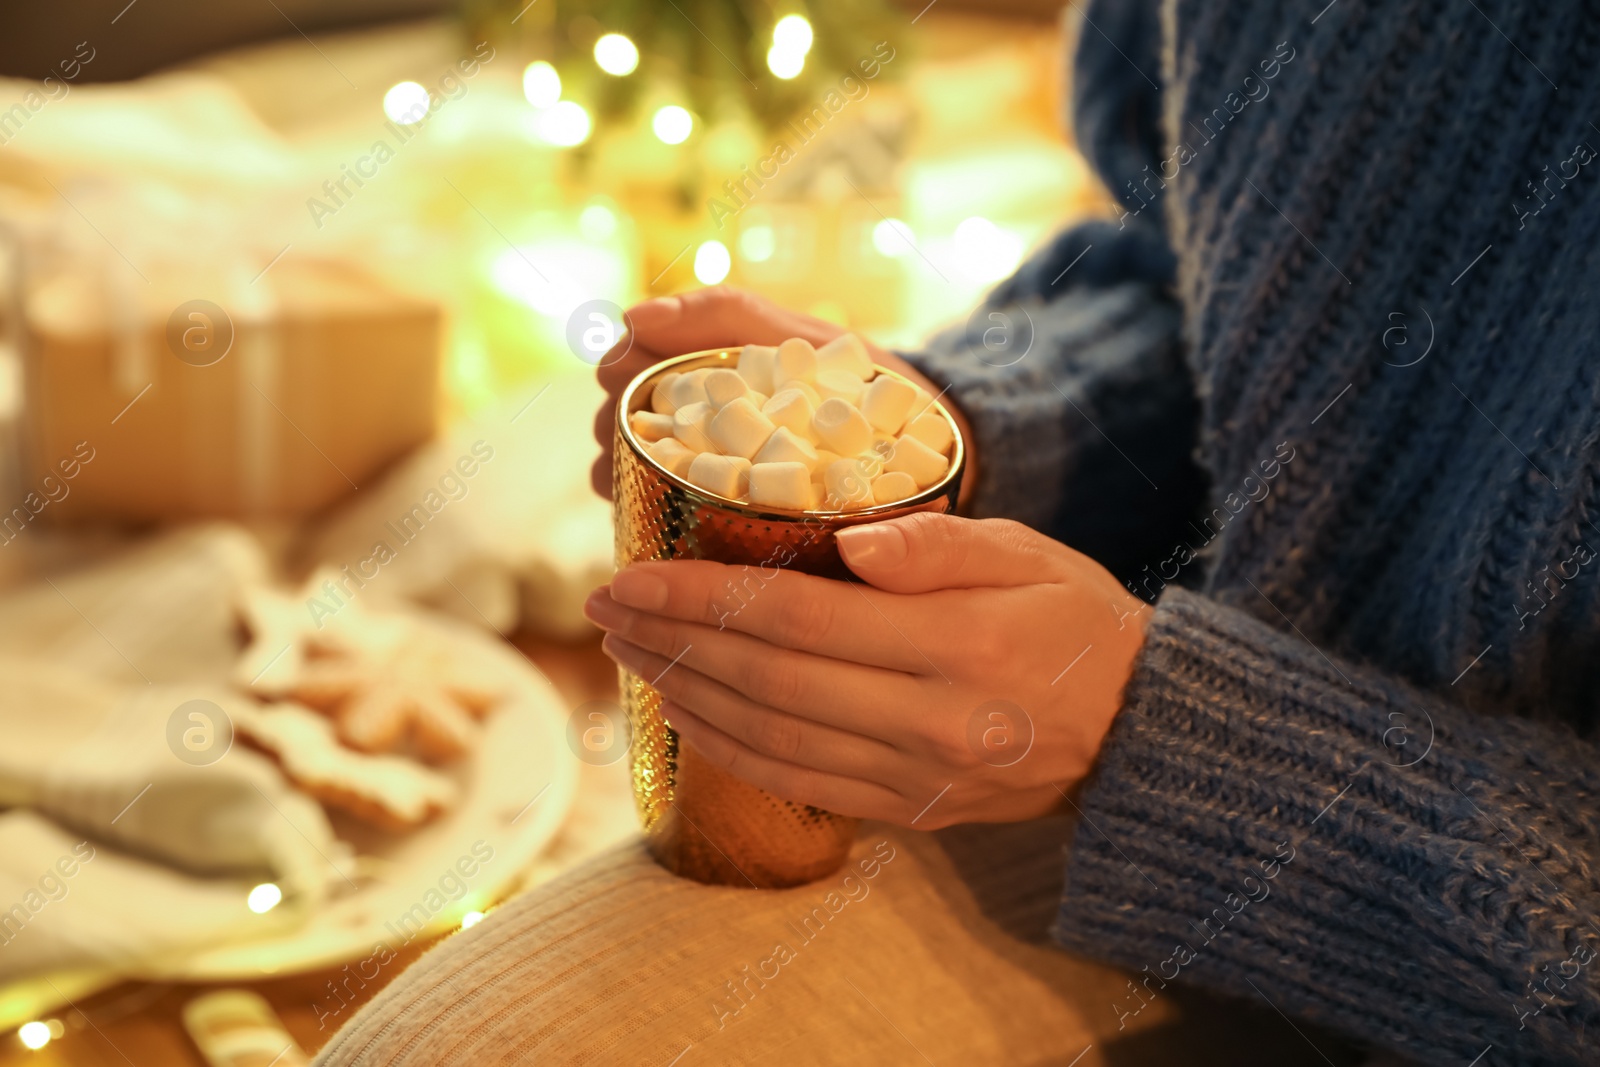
[701, 822]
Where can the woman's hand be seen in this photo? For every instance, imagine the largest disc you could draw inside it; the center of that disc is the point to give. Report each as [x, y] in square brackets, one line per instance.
[973, 680]
[720, 317]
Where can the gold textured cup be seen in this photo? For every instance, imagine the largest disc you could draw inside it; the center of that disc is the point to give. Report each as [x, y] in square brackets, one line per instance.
[700, 821]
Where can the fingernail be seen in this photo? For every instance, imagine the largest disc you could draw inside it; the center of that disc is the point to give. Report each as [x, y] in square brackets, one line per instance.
[639, 589]
[877, 545]
[605, 612]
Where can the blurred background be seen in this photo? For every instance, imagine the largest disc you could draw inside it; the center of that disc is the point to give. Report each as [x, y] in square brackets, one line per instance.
[297, 322]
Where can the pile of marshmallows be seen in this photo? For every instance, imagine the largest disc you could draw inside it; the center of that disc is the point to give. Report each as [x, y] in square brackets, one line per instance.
[798, 428]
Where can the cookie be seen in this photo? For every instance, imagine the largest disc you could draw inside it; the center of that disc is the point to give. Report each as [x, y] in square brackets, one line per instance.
[388, 684]
[408, 694]
[390, 792]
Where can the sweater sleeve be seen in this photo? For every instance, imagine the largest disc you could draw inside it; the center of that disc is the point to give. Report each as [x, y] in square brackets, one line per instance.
[1072, 373]
[1273, 822]
[1096, 407]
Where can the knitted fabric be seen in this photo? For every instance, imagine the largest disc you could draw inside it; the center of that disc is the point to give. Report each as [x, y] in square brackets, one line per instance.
[1353, 776]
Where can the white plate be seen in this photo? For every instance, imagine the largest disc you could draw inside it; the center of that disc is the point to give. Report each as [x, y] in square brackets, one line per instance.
[516, 791]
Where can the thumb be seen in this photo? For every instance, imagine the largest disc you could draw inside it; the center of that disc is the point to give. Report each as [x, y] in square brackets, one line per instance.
[720, 317]
[928, 551]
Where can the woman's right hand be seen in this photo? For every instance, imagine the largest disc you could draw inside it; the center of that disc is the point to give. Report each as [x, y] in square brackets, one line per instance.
[719, 317]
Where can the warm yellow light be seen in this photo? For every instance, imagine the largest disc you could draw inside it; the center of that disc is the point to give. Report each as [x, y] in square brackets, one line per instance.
[570, 271]
[263, 898]
[792, 34]
[471, 919]
[672, 124]
[616, 54]
[35, 1034]
[541, 84]
[785, 62]
[566, 124]
[712, 262]
[757, 243]
[891, 238]
[987, 253]
[406, 103]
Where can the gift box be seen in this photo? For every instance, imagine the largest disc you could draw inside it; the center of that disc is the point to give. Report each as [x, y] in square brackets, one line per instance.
[262, 390]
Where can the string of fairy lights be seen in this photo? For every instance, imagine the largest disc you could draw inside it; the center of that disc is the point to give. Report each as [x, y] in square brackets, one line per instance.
[566, 123]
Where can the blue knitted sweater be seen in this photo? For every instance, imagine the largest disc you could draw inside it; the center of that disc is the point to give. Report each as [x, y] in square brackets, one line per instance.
[1327, 391]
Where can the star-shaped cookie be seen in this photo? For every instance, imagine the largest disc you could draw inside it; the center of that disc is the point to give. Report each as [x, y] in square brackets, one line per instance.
[391, 792]
[387, 683]
[383, 697]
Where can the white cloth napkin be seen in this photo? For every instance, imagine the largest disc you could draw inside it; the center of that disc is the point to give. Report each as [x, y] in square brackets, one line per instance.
[102, 762]
[162, 610]
[67, 902]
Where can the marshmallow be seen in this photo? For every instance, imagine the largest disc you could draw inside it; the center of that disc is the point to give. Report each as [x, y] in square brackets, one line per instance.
[887, 402]
[727, 476]
[871, 462]
[842, 384]
[661, 396]
[918, 460]
[797, 428]
[649, 426]
[805, 389]
[796, 359]
[845, 487]
[723, 385]
[841, 427]
[756, 364]
[933, 430]
[786, 446]
[740, 429]
[691, 424]
[790, 408]
[688, 388]
[893, 487]
[845, 353]
[921, 405]
[672, 454]
[781, 485]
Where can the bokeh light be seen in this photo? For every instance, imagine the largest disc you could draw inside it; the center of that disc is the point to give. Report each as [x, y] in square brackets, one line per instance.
[792, 34]
[758, 243]
[616, 54]
[785, 62]
[35, 1035]
[564, 124]
[263, 898]
[597, 222]
[892, 237]
[541, 84]
[587, 270]
[712, 262]
[672, 124]
[986, 252]
[406, 103]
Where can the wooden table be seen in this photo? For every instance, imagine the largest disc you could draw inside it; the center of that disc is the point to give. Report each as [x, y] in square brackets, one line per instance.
[136, 1024]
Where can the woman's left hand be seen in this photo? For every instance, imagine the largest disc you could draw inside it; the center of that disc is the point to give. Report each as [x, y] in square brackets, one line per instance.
[973, 679]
